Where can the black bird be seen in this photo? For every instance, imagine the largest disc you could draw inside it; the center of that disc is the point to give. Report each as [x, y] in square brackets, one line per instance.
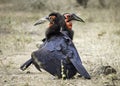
[53, 29]
[66, 30]
[58, 55]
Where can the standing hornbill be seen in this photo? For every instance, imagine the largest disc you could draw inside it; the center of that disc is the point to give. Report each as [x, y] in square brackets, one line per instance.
[58, 55]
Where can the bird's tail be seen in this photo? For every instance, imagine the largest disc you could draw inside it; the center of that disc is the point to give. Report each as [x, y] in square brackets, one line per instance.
[26, 65]
[80, 68]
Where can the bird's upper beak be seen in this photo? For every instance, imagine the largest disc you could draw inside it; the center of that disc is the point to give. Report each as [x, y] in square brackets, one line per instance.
[74, 17]
[42, 20]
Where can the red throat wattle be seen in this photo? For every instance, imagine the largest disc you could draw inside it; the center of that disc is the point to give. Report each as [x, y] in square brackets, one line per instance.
[51, 19]
[51, 24]
[67, 22]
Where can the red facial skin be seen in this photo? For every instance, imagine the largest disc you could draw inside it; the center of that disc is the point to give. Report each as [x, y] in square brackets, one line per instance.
[68, 23]
[52, 18]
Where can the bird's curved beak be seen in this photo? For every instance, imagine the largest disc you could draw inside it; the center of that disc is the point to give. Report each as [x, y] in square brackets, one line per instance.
[42, 20]
[75, 17]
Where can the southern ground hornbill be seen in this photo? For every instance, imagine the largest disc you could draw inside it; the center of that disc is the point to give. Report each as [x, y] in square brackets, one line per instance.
[58, 55]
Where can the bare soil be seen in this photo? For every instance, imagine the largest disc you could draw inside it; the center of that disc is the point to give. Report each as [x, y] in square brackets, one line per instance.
[97, 41]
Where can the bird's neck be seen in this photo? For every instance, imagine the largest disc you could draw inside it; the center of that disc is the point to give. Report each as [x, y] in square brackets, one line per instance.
[52, 31]
[68, 31]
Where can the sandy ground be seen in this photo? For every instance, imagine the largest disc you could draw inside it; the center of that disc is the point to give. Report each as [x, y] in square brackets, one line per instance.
[97, 42]
[97, 46]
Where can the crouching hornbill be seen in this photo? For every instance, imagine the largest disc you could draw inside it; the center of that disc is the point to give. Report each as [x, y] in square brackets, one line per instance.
[58, 55]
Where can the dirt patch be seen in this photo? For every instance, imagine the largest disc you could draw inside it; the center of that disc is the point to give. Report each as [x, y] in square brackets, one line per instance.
[97, 42]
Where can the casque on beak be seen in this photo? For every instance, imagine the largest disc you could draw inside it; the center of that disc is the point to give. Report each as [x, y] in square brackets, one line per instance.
[42, 20]
[75, 17]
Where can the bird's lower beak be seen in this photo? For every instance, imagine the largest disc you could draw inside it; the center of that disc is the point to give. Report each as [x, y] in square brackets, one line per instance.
[77, 18]
[41, 21]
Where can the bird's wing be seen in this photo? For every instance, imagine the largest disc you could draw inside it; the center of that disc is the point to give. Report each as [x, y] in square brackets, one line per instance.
[75, 58]
[45, 60]
[49, 56]
[56, 49]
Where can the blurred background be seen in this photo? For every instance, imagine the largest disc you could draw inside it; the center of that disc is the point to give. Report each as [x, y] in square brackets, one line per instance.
[96, 10]
[97, 41]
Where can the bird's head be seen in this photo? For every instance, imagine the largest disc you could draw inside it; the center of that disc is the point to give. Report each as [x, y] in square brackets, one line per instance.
[53, 18]
[69, 18]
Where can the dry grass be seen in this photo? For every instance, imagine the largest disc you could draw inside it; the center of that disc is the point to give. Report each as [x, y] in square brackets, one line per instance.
[97, 41]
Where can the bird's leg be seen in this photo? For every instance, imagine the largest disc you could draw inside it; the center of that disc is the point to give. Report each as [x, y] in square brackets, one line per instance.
[62, 71]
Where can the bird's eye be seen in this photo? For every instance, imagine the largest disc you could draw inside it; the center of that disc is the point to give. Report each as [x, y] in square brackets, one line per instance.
[68, 16]
[52, 17]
